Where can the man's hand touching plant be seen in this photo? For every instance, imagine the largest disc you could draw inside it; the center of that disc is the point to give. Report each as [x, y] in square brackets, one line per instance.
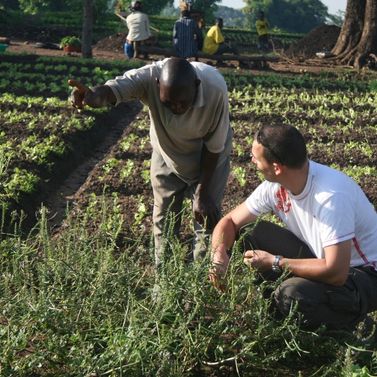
[96, 97]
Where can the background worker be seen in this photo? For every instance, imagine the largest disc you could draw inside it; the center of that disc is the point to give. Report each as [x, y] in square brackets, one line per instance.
[261, 25]
[185, 36]
[200, 38]
[190, 136]
[138, 29]
[214, 42]
[329, 245]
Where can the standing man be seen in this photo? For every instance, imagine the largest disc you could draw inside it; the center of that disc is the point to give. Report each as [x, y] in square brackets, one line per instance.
[329, 245]
[261, 25]
[185, 36]
[138, 29]
[190, 136]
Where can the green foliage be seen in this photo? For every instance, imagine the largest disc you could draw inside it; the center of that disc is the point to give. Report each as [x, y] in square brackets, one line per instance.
[170, 11]
[240, 174]
[208, 7]
[35, 6]
[297, 16]
[232, 17]
[70, 41]
[21, 182]
[75, 303]
[9, 4]
[149, 6]
[336, 19]
[83, 302]
[31, 6]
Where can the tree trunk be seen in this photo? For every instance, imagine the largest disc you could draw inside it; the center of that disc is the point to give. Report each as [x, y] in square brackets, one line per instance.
[368, 40]
[352, 27]
[87, 28]
[358, 37]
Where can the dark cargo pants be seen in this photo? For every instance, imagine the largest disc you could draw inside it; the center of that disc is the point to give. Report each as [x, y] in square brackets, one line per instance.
[319, 303]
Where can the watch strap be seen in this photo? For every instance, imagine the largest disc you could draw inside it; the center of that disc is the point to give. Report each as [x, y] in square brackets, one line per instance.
[275, 264]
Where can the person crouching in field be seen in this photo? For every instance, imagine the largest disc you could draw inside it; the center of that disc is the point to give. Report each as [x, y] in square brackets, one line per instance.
[328, 247]
[190, 135]
[214, 42]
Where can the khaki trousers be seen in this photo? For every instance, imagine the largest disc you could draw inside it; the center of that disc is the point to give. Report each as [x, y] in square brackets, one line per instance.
[169, 191]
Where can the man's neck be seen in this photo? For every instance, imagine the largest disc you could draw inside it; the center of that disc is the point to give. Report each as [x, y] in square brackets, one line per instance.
[295, 180]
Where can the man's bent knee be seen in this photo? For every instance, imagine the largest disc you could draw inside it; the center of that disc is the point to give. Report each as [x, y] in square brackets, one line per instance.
[319, 303]
[302, 295]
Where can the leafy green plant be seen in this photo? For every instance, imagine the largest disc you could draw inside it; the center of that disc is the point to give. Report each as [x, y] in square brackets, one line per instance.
[70, 41]
[239, 173]
[20, 182]
[127, 170]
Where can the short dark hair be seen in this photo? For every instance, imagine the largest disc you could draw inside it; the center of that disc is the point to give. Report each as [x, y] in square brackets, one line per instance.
[136, 5]
[284, 144]
[177, 72]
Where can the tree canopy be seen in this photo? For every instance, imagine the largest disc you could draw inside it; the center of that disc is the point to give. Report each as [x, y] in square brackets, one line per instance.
[297, 16]
[207, 7]
[149, 6]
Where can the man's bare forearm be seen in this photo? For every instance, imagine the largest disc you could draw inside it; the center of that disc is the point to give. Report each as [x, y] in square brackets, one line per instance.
[82, 95]
[100, 96]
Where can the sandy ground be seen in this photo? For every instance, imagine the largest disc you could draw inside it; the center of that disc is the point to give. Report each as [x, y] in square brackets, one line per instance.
[284, 65]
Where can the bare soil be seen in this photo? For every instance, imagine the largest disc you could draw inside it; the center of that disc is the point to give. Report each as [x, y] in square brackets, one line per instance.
[111, 48]
[320, 39]
[74, 185]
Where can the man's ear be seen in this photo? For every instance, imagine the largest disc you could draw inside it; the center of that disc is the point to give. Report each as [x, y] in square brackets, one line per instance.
[197, 82]
[278, 168]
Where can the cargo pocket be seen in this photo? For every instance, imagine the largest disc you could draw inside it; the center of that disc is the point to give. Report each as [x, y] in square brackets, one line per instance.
[345, 299]
[318, 303]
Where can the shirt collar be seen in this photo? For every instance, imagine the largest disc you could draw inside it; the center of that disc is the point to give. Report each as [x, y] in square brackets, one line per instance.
[200, 98]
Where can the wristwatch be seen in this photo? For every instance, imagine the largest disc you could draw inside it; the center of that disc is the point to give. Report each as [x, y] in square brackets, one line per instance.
[275, 264]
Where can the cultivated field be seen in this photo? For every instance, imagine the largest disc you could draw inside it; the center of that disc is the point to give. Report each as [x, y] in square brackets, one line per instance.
[76, 300]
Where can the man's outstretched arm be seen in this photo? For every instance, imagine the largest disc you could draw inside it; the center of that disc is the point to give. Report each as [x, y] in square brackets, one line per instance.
[225, 234]
[99, 96]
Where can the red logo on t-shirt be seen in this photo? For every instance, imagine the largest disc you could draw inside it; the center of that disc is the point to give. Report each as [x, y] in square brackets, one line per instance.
[283, 203]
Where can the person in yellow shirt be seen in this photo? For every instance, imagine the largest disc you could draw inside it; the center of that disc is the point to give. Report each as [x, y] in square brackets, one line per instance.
[214, 41]
[262, 30]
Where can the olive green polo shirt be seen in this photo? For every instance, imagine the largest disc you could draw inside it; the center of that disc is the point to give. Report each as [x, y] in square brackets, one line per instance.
[180, 138]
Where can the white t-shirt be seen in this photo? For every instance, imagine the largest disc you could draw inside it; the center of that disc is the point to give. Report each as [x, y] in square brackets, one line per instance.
[332, 208]
[138, 26]
[180, 138]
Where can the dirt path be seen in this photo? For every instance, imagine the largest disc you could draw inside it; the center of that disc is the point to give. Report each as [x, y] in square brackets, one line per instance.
[30, 47]
[59, 197]
[283, 66]
[65, 195]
